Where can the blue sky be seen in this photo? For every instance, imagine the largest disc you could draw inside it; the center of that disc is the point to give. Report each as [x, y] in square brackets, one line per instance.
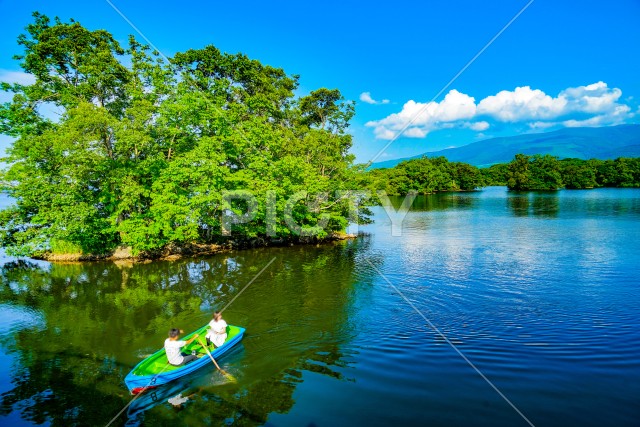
[574, 63]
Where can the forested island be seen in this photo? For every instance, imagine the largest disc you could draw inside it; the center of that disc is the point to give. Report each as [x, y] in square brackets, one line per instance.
[536, 172]
[146, 153]
[118, 147]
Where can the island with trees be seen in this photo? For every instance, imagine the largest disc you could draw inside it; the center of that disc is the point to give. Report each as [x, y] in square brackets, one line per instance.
[120, 147]
[143, 152]
[525, 172]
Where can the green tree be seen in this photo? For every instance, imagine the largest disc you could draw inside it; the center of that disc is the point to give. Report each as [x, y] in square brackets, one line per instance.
[578, 174]
[496, 174]
[143, 154]
[466, 177]
[326, 108]
[426, 176]
[628, 172]
[535, 172]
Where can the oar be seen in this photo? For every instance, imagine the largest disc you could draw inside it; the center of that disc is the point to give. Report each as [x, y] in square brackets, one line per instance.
[222, 371]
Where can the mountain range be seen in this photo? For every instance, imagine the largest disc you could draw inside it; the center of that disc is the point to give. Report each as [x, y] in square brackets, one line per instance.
[582, 143]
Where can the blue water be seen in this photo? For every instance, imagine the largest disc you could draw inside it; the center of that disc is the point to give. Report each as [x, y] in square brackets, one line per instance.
[539, 291]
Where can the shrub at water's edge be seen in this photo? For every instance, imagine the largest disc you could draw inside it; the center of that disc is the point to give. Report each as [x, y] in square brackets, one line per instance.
[143, 155]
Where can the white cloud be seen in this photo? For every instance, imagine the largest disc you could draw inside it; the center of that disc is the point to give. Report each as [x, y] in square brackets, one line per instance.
[593, 98]
[617, 116]
[541, 125]
[478, 126]
[523, 103]
[415, 133]
[366, 97]
[591, 105]
[423, 118]
[383, 133]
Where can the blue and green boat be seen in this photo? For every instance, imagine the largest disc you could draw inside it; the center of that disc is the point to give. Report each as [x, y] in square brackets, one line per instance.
[155, 369]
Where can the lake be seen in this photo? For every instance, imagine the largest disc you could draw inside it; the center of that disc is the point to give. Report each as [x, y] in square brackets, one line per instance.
[539, 291]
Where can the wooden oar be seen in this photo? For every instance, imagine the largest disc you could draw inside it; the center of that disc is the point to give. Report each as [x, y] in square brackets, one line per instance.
[222, 371]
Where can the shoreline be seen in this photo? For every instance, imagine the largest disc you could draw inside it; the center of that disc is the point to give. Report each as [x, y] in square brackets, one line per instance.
[188, 250]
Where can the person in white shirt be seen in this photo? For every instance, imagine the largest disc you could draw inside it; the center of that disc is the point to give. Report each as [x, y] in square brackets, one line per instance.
[217, 330]
[173, 347]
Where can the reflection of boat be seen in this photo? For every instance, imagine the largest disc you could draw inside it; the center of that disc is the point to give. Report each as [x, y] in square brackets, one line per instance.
[155, 369]
[151, 398]
[178, 392]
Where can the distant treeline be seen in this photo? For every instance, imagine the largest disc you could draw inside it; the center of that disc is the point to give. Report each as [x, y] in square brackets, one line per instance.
[547, 172]
[426, 175]
[524, 172]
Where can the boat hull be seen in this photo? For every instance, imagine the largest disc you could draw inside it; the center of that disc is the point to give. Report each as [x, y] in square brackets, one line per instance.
[137, 383]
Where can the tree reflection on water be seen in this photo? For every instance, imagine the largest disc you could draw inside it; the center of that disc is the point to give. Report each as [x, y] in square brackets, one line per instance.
[99, 319]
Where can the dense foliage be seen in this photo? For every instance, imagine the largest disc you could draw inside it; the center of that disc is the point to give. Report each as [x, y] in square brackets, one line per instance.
[497, 174]
[524, 172]
[425, 176]
[621, 172]
[548, 173]
[534, 173]
[144, 154]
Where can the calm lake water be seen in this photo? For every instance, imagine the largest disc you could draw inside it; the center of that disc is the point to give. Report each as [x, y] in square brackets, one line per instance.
[540, 291]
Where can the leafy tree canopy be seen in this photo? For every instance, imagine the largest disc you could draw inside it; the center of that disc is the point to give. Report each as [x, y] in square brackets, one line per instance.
[144, 151]
[425, 176]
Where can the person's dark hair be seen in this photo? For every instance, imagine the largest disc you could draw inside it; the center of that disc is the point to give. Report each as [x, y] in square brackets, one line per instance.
[216, 314]
[173, 332]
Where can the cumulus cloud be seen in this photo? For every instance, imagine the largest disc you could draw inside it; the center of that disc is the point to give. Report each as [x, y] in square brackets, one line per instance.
[415, 133]
[521, 104]
[366, 97]
[591, 105]
[541, 125]
[593, 98]
[618, 115]
[524, 103]
[418, 119]
[478, 126]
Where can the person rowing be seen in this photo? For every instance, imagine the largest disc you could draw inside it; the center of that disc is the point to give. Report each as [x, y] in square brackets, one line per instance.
[217, 330]
[173, 348]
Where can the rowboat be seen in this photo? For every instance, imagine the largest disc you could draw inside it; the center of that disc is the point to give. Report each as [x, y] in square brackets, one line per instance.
[156, 370]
